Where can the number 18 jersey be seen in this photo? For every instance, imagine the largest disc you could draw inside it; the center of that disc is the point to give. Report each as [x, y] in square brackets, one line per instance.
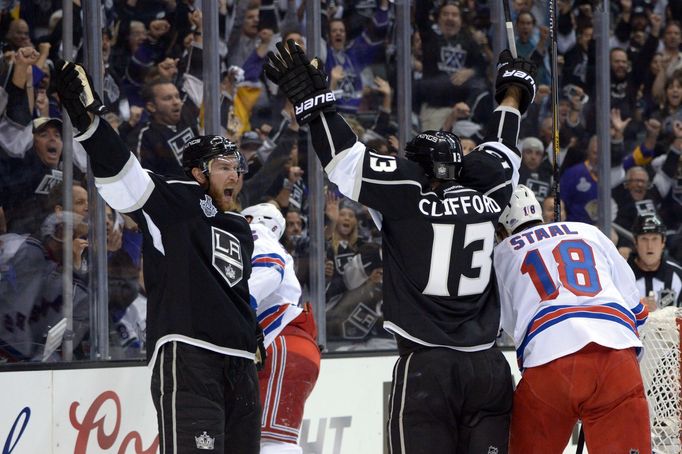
[562, 286]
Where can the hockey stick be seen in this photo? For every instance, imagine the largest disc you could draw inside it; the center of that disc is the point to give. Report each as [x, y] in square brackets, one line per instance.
[509, 25]
[555, 110]
[581, 440]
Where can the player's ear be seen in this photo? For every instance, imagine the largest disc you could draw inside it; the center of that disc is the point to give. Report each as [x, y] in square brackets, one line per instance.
[199, 175]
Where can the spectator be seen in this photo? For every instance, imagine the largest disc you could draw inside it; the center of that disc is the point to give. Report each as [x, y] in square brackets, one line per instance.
[249, 144]
[623, 89]
[671, 108]
[634, 197]
[342, 245]
[536, 170]
[244, 35]
[79, 198]
[659, 278]
[531, 42]
[356, 317]
[672, 56]
[49, 310]
[150, 52]
[346, 61]
[31, 299]
[579, 182]
[453, 63]
[548, 209]
[27, 177]
[579, 62]
[126, 46]
[297, 243]
[124, 247]
[18, 35]
[668, 183]
[171, 126]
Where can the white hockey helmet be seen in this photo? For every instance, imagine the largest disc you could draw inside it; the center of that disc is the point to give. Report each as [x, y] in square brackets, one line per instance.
[268, 215]
[523, 208]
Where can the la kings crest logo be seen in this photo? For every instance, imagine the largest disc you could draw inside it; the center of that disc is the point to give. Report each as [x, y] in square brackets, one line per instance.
[227, 256]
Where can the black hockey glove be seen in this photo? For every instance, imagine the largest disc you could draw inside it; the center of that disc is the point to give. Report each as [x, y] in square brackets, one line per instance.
[303, 82]
[517, 72]
[77, 94]
[261, 354]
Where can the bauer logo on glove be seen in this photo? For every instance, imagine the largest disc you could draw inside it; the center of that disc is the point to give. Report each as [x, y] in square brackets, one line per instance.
[313, 103]
[521, 74]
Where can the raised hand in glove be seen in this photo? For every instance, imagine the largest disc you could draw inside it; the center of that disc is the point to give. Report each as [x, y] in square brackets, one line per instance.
[515, 72]
[302, 82]
[77, 94]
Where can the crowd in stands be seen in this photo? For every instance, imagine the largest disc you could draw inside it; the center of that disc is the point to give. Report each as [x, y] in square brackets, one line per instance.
[152, 57]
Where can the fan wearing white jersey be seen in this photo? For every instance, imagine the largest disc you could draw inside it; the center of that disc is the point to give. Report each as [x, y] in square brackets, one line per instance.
[570, 302]
[293, 358]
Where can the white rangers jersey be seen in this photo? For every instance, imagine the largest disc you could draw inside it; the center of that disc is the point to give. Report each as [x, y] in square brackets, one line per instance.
[562, 286]
[274, 288]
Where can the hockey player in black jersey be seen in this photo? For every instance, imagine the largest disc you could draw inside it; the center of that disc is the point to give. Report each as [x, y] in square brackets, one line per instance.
[437, 210]
[201, 329]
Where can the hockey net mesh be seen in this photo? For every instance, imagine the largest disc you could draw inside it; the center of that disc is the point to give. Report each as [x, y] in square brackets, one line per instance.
[660, 368]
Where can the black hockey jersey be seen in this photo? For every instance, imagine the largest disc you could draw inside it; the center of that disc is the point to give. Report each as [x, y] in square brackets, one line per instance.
[439, 288]
[197, 260]
[665, 283]
[160, 147]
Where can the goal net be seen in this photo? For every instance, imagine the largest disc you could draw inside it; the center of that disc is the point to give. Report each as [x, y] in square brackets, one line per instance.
[660, 368]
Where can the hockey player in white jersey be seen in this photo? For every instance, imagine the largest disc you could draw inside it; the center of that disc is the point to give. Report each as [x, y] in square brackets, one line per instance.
[293, 358]
[570, 302]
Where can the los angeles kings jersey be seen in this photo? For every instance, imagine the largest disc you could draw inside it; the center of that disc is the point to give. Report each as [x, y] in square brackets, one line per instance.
[438, 284]
[562, 286]
[196, 258]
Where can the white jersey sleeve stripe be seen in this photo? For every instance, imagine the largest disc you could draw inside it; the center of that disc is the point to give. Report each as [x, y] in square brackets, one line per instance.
[129, 190]
[332, 147]
[155, 233]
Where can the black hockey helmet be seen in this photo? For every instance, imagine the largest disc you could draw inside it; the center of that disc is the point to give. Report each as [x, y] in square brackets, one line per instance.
[438, 152]
[648, 223]
[201, 150]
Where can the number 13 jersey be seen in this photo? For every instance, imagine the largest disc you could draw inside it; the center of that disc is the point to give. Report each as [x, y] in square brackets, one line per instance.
[562, 286]
[439, 288]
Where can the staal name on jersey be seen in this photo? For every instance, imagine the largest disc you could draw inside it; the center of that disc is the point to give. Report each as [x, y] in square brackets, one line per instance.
[539, 234]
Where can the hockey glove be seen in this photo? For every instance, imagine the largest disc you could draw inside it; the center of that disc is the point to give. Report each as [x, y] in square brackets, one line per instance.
[517, 72]
[77, 94]
[303, 82]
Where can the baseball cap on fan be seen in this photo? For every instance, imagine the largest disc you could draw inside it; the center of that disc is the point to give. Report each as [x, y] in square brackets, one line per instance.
[41, 123]
[250, 139]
